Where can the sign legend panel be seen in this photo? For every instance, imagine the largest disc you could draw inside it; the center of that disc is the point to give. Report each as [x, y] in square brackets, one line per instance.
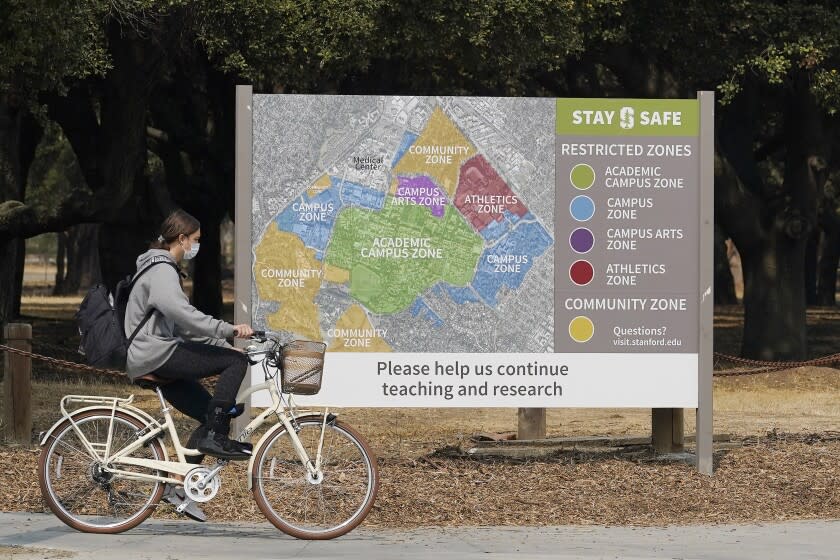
[627, 186]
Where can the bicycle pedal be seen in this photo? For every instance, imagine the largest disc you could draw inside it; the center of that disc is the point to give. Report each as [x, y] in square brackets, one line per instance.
[182, 506]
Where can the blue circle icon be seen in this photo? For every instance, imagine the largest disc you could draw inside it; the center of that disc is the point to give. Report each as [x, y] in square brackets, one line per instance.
[582, 208]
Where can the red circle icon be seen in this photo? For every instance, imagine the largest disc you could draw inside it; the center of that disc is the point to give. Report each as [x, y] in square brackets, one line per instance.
[581, 273]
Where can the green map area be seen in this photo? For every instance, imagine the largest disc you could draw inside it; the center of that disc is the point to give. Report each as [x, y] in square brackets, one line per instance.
[398, 252]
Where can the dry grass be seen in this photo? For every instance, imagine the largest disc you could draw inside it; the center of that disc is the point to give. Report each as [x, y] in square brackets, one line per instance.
[771, 481]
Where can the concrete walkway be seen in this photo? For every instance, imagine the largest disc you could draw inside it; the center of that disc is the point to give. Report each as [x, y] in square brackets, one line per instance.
[29, 536]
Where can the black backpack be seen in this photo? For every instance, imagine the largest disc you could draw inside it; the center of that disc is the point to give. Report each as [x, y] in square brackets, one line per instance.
[101, 317]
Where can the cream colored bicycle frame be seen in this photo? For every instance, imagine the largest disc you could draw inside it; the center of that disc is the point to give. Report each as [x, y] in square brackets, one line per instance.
[111, 461]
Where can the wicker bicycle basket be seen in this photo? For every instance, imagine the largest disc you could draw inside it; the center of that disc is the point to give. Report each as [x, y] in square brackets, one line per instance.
[302, 367]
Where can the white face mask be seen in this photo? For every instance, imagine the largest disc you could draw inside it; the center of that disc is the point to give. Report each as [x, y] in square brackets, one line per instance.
[192, 252]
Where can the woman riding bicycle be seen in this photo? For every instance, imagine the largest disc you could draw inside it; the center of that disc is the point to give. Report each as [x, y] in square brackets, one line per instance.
[180, 345]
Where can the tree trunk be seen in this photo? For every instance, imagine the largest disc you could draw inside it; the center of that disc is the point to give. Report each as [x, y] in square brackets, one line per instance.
[21, 261]
[774, 300]
[724, 283]
[774, 319]
[811, 268]
[82, 259]
[770, 223]
[119, 247]
[14, 165]
[8, 254]
[60, 257]
[11, 188]
[827, 267]
[207, 274]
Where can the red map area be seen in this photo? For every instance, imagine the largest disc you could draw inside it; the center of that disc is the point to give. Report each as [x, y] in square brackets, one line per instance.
[483, 196]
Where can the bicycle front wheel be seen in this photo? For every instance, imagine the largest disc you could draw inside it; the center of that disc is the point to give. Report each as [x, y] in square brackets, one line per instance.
[315, 508]
[78, 488]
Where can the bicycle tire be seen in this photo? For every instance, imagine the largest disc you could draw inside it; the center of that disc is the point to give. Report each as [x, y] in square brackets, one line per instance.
[54, 501]
[289, 459]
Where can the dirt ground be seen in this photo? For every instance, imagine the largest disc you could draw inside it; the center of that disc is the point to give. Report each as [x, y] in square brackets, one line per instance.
[785, 464]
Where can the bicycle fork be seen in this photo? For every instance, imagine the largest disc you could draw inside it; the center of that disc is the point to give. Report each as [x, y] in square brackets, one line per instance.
[313, 466]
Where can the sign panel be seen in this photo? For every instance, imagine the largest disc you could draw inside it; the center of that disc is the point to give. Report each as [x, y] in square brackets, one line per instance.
[628, 188]
[458, 251]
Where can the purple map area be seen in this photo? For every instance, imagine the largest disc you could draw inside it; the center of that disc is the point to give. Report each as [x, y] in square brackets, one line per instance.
[423, 191]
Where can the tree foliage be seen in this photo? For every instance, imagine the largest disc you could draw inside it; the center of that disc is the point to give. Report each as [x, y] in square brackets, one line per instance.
[46, 45]
[125, 78]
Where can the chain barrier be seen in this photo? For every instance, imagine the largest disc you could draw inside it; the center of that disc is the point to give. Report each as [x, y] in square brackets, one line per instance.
[66, 364]
[747, 366]
[753, 367]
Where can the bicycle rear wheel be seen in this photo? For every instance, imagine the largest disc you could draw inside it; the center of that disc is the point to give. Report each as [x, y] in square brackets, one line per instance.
[319, 509]
[80, 492]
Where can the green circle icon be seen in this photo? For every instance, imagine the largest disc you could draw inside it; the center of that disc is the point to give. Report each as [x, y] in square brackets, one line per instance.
[582, 176]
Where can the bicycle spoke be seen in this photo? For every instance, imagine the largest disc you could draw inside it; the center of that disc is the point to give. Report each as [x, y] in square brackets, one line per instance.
[82, 492]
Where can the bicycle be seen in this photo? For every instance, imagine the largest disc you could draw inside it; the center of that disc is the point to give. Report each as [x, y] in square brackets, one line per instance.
[103, 467]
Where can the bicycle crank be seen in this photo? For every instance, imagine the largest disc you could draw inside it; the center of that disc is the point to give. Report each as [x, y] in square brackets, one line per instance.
[201, 484]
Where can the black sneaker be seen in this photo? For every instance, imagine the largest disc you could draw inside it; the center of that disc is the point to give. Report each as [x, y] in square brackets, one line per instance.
[221, 447]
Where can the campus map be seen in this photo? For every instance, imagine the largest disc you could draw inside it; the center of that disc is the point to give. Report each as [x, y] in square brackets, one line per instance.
[405, 224]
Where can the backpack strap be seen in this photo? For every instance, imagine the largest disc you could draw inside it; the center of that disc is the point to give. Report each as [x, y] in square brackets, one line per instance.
[150, 312]
[145, 320]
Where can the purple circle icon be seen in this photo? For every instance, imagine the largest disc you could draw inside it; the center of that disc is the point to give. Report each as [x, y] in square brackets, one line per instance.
[581, 240]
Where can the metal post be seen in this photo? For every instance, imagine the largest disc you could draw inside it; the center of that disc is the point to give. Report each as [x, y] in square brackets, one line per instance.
[17, 385]
[705, 412]
[242, 222]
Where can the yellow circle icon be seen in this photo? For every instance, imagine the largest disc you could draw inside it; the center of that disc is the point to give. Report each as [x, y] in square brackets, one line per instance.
[581, 329]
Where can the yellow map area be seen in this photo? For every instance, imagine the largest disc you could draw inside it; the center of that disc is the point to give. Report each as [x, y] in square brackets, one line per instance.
[440, 132]
[320, 184]
[288, 273]
[352, 332]
[336, 274]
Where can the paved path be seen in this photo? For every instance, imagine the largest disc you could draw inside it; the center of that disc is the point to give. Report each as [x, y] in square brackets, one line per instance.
[40, 536]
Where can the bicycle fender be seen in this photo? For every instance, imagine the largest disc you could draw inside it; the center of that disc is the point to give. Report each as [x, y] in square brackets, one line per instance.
[132, 411]
[277, 427]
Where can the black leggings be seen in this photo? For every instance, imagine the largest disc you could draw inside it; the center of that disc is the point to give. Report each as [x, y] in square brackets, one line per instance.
[192, 361]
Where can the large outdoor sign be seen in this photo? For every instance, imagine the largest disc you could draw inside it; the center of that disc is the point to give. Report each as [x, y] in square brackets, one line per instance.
[467, 251]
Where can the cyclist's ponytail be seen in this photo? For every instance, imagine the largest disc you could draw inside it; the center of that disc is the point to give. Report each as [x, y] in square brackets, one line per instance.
[178, 222]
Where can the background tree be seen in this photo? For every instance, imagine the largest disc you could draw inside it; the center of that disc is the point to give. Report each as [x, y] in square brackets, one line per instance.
[41, 48]
[143, 92]
[774, 66]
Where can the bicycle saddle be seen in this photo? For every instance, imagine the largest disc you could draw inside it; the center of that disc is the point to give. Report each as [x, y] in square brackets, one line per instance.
[151, 381]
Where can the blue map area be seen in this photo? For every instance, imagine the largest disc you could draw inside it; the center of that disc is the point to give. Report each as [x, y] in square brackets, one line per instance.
[407, 140]
[526, 242]
[495, 230]
[358, 195]
[312, 219]
[462, 295]
[420, 309]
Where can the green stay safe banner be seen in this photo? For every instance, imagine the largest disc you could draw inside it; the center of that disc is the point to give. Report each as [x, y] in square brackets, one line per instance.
[628, 117]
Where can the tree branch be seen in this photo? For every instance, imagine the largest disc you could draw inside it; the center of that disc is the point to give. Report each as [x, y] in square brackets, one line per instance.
[25, 220]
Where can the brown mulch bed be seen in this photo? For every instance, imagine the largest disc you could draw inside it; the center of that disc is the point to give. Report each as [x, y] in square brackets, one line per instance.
[769, 479]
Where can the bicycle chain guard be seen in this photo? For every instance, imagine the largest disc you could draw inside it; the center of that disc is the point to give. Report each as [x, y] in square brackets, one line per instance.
[197, 488]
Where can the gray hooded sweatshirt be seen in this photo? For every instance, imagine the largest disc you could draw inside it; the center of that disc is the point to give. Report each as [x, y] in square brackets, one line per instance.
[174, 321]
